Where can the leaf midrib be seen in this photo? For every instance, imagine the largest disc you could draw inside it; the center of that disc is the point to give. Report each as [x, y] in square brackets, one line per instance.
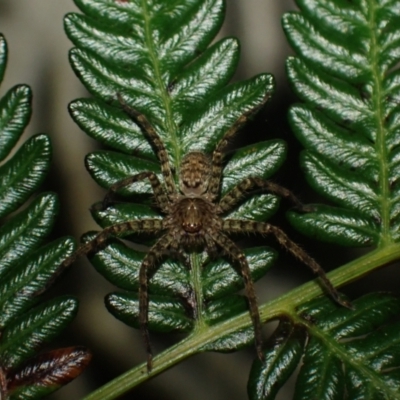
[171, 129]
[169, 120]
[346, 357]
[385, 237]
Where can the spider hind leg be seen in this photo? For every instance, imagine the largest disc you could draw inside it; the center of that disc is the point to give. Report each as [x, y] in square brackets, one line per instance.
[244, 226]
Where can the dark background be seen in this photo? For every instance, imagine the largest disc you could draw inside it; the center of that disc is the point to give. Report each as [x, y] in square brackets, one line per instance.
[38, 51]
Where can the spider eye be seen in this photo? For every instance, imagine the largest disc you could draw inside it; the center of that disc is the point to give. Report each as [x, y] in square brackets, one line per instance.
[192, 226]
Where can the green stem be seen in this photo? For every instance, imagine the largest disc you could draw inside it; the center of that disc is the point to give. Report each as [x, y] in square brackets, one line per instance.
[285, 304]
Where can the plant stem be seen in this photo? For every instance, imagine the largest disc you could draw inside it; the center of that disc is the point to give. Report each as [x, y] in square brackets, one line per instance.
[284, 305]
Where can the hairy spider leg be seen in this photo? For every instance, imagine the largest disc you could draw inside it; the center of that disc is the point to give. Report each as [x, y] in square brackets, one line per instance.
[158, 190]
[237, 255]
[162, 154]
[148, 225]
[246, 185]
[218, 153]
[211, 247]
[241, 226]
[149, 261]
[176, 252]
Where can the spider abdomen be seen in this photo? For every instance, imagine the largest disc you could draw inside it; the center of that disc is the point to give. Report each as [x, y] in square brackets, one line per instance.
[194, 173]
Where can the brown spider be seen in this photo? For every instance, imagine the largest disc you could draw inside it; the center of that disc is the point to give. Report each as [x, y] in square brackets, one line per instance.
[193, 219]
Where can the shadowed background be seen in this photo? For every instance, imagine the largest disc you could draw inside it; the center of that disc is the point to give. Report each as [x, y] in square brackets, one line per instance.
[38, 56]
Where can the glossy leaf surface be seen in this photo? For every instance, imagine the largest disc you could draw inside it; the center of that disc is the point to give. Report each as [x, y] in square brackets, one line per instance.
[348, 121]
[27, 266]
[166, 68]
[121, 264]
[285, 348]
[348, 354]
[344, 73]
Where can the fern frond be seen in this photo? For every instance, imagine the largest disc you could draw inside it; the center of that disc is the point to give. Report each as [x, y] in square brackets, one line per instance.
[346, 354]
[180, 83]
[26, 265]
[347, 121]
[344, 74]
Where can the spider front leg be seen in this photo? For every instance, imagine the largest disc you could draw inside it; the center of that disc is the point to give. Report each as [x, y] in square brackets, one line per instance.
[237, 255]
[244, 226]
[252, 183]
[159, 193]
[218, 154]
[149, 225]
[156, 141]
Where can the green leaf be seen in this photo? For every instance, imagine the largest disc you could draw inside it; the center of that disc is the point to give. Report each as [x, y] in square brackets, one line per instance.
[165, 313]
[347, 121]
[120, 264]
[232, 342]
[123, 212]
[3, 57]
[347, 352]
[28, 278]
[26, 334]
[184, 92]
[337, 225]
[110, 127]
[27, 266]
[15, 114]
[262, 159]
[285, 351]
[21, 175]
[26, 231]
[323, 376]
[158, 57]
[344, 72]
[220, 279]
[108, 167]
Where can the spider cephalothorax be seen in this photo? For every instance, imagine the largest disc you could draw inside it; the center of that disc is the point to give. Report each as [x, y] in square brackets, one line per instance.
[194, 219]
[192, 215]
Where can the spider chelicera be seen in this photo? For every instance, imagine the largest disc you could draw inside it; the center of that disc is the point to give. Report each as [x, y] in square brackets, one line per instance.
[194, 219]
